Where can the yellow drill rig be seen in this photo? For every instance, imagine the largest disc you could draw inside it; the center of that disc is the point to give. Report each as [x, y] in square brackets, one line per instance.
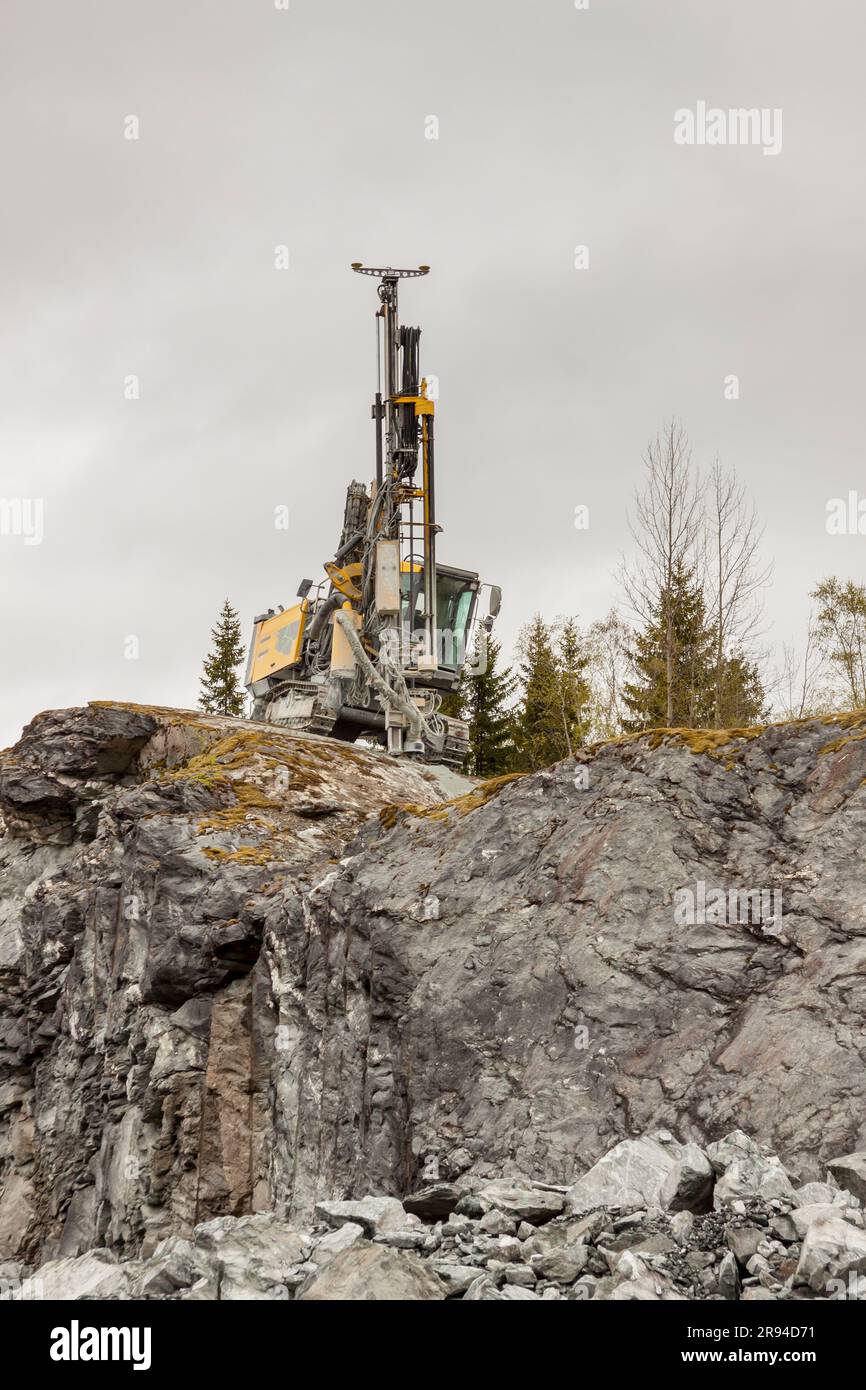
[372, 648]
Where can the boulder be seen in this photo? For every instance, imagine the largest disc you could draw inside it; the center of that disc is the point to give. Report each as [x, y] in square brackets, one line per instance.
[832, 1250]
[94, 1275]
[342, 1238]
[375, 1215]
[735, 1146]
[433, 1203]
[482, 1290]
[850, 1173]
[535, 1205]
[631, 1175]
[373, 1273]
[457, 1278]
[801, 1218]
[751, 1178]
[564, 1264]
[822, 1193]
[252, 1255]
[744, 1241]
[175, 1264]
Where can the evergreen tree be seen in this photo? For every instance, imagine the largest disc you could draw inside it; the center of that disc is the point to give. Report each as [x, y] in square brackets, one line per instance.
[220, 690]
[743, 699]
[491, 724]
[454, 701]
[539, 727]
[678, 629]
[574, 691]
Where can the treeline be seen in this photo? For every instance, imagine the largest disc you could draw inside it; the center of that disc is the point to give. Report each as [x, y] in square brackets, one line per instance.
[689, 654]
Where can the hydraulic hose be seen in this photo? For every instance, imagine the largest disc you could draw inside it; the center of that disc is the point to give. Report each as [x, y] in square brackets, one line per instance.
[396, 699]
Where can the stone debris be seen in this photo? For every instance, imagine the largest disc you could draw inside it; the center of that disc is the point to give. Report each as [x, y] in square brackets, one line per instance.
[374, 1248]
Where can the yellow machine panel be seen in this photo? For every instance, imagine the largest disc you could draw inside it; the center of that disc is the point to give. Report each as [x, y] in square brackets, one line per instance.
[343, 661]
[277, 642]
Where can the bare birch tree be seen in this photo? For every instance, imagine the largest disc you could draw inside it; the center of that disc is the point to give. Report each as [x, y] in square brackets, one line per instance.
[734, 573]
[607, 642]
[666, 528]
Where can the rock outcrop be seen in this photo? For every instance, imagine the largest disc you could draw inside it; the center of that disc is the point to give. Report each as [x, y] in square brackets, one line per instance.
[245, 972]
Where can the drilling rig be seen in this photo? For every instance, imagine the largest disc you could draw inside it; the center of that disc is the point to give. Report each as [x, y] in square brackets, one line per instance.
[372, 649]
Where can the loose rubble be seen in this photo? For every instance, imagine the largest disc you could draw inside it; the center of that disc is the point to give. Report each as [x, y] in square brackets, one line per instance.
[751, 1236]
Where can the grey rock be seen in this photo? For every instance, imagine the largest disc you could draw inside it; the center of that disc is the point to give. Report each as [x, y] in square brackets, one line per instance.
[819, 1192]
[655, 1244]
[435, 1202]
[735, 1147]
[681, 1224]
[457, 1278]
[521, 1275]
[482, 1290]
[402, 1240]
[850, 1173]
[515, 1293]
[496, 1223]
[753, 1177]
[508, 1249]
[251, 1254]
[632, 1174]
[342, 1238]
[94, 1275]
[689, 1184]
[832, 1250]
[744, 1242]
[699, 1259]
[176, 1264]
[801, 1218]
[522, 1203]
[784, 1227]
[375, 1215]
[564, 1265]
[372, 1273]
[729, 1277]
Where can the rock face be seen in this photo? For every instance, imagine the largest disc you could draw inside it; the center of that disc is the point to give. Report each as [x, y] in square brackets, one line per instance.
[148, 1066]
[244, 971]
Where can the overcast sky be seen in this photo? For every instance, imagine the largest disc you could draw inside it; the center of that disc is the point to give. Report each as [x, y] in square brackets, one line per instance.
[308, 127]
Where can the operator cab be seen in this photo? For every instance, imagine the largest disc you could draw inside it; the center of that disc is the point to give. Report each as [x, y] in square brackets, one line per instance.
[456, 601]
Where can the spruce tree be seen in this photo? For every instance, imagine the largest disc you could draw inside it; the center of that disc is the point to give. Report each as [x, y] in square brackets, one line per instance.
[491, 724]
[743, 700]
[688, 696]
[540, 737]
[220, 691]
[574, 691]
